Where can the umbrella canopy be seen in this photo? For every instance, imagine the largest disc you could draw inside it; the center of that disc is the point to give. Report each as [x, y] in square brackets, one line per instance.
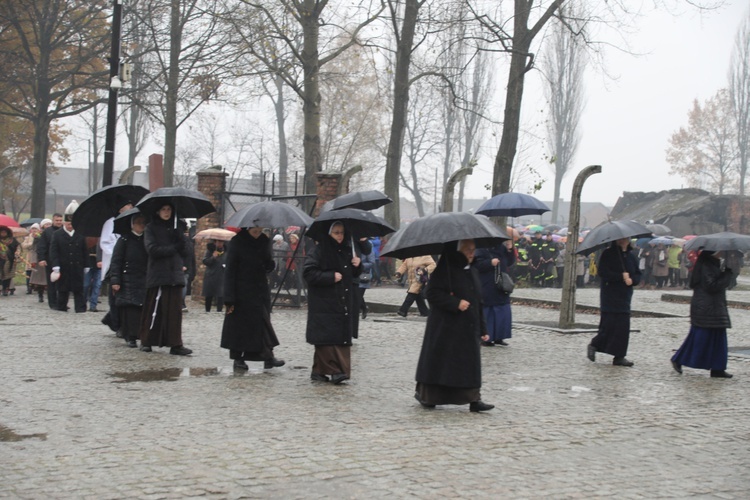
[512, 205]
[31, 221]
[187, 202]
[102, 204]
[215, 233]
[662, 240]
[718, 242]
[428, 235]
[19, 231]
[659, 229]
[358, 222]
[364, 200]
[122, 221]
[552, 228]
[603, 234]
[533, 228]
[269, 214]
[8, 221]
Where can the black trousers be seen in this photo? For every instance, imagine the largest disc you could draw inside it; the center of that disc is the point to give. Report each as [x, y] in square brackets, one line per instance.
[51, 289]
[79, 301]
[419, 299]
[219, 303]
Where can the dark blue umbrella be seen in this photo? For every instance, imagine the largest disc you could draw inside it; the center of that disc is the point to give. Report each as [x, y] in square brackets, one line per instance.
[512, 205]
[31, 221]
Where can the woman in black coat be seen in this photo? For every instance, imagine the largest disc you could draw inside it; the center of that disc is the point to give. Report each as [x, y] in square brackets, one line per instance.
[706, 345]
[332, 274]
[213, 279]
[247, 331]
[449, 369]
[618, 273]
[161, 322]
[127, 271]
[496, 303]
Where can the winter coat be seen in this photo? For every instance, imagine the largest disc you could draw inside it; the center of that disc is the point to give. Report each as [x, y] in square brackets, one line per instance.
[167, 253]
[69, 253]
[659, 267]
[614, 294]
[248, 262]
[450, 348]
[708, 307]
[213, 278]
[127, 268]
[333, 307]
[410, 266]
[38, 276]
[491, 296]
[45, 240]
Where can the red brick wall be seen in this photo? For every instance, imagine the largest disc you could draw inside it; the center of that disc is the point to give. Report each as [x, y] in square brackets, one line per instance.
[212, 183]
[328, 189]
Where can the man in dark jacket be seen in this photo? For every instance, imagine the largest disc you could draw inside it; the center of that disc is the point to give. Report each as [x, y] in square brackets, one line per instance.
[45, 240]
[69, 257]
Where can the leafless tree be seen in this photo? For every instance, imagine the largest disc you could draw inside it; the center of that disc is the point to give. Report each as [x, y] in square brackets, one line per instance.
[563, 66]
[739, 94]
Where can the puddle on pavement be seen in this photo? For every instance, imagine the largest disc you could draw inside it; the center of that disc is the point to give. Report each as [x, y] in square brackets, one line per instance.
[169, 374]
[8, 435]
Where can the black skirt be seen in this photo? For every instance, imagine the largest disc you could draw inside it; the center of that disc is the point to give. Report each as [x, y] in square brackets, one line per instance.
[614, 334]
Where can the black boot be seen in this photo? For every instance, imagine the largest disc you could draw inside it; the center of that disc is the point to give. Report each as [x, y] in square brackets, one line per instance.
[720, 374]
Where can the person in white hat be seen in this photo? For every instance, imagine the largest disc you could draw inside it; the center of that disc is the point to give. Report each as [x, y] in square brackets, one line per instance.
[69, 256]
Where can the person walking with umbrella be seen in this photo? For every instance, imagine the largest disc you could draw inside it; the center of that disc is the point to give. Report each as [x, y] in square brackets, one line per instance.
[213, 278]
[8, 249]
[332, 272]
[496, 303]
[618, 273]
[247, 331]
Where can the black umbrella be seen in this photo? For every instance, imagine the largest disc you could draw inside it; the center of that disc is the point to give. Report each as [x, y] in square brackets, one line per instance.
[718, 242]
[659, 229]
[428, 235]
[31, 221]
[187, 203]
[269, 214]
[102, 204]
[358, 222]
[604, 234]
[364, 200]
[123, 221]
[512, 205]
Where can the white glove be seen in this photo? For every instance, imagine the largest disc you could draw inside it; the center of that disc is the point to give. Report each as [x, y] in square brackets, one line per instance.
[55, 275]
[86, 270]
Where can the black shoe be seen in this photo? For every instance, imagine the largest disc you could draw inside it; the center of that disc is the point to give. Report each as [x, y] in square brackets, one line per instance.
[145, 348]
[93, 310]
[337, 378]
[622, 362]
[720, 374]
[591, 353]
[488, 344]
[425, 405]
[118, 334]
[239, 364]
[273, 363]
[41, 298]
[132, 343]
[477, 406]
[402, 314]
[180, 350]
[364, 313]
[501, 342]
[317, 377]
[677, 366]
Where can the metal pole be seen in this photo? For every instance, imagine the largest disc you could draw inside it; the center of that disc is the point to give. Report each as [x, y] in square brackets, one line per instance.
[114, 70]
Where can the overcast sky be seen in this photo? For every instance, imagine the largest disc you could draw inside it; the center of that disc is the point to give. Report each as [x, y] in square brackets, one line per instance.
[627, 123]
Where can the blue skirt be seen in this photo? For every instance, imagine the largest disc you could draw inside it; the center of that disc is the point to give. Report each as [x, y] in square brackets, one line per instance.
[499, 321]
[704, 348]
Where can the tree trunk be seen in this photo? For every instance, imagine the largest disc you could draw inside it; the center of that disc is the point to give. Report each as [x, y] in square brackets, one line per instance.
[311, 105]
[400, 105]
[173, 82]
[556, 199]
[280, 120]
[39, 164]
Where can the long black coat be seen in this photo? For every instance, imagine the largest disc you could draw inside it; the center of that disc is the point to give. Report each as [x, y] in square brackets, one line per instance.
[45, 241]
[450, 348]
[246, 288]
[69, 253]
[333, 308]
[213, 278]
[128, 269]
[708, 307]
[491, 296]
[166, 254]
[614, 294]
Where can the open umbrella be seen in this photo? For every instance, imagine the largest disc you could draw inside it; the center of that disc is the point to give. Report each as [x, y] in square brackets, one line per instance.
[269, 214]
[428, 235]
[8, 221]
[364, 200]
[19, 231]
[188, 203]
[358, 222]
[123, 222]
[603, 234]
[512, 205]
[659, 229]
[718, 242]
[662, 240]
[31, 221]
[102, 204]
[533, 228]
[215, 233]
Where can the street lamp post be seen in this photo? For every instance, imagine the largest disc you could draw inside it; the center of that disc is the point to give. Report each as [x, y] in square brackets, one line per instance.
[115, 84]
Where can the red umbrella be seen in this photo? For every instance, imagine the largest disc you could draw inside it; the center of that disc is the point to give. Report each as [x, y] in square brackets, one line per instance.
[8, 221]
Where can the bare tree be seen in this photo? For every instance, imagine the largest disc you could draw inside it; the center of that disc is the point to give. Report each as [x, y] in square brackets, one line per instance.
[739, 94]
[50, 53]
[563, 68]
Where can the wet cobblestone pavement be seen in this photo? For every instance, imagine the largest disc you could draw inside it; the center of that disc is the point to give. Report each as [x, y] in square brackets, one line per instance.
[84, 416]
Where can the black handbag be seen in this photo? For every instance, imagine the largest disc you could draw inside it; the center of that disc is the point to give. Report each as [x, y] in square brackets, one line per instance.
[503, 282]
